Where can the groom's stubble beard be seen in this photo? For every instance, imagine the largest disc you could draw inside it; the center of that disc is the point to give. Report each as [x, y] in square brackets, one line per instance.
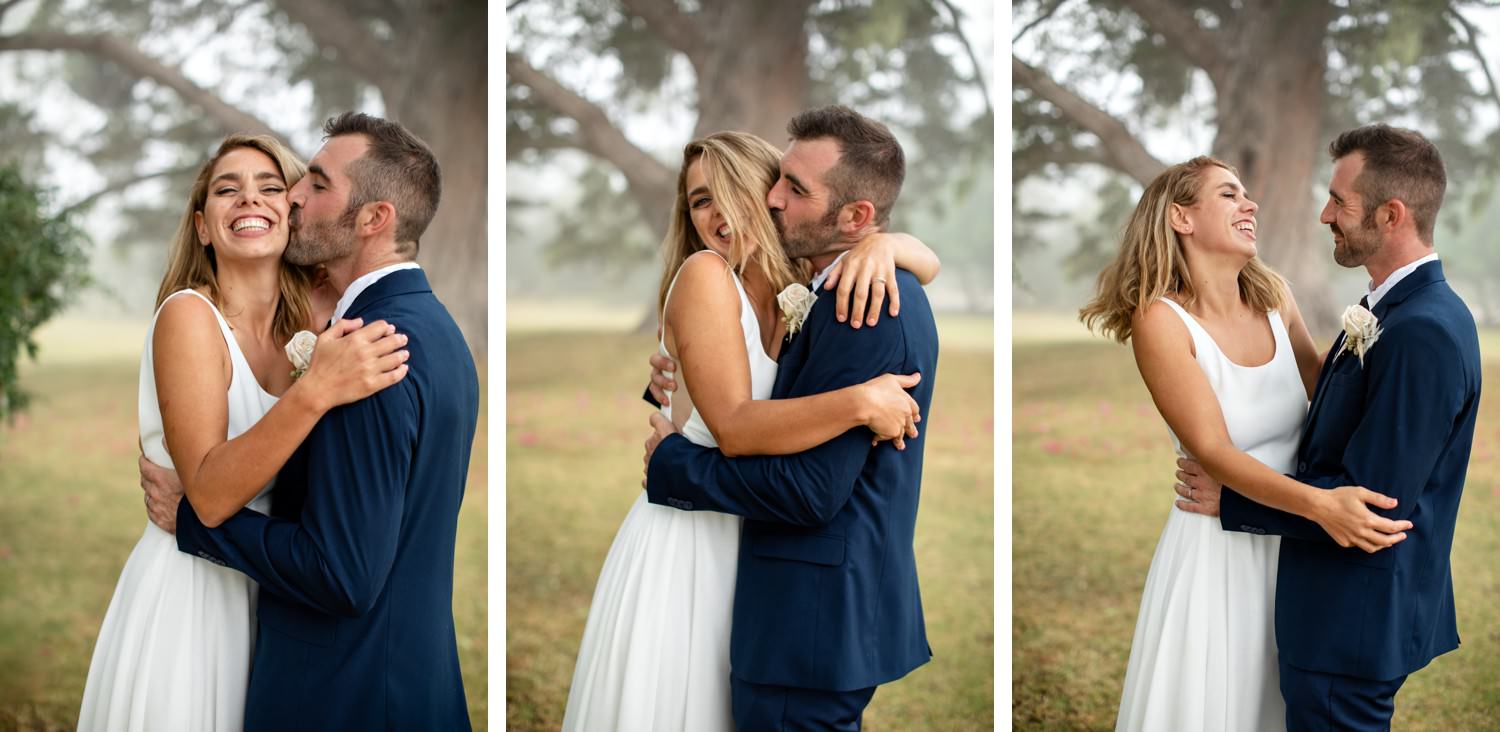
[1359, 244]
[323, 241]
[808, 239]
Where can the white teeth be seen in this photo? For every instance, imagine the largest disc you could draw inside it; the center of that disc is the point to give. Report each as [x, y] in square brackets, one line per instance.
[723, 230]
[258, 224]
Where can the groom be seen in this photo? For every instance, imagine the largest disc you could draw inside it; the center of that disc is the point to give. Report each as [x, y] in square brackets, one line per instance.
[826, 605]
[1398, 418]
[356, 563]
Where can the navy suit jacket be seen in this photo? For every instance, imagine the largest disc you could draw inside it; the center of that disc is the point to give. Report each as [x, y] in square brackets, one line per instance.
[355, 564]
[826, 596]
[1402, 424]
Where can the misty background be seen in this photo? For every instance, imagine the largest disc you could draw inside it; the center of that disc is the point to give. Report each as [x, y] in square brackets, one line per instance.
[112, 106]
[601, 97]
[1107, 94]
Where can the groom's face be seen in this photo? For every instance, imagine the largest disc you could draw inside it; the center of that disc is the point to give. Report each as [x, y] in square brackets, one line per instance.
[801, 202]
[322, 222]
[1348, 216]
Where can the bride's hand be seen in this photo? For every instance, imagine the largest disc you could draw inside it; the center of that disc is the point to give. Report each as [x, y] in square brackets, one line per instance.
[868, 273]
[352, 362]
[1343, 514]
[888, 410]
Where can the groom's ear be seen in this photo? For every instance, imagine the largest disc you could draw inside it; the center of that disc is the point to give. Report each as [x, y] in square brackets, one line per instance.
[1178, 220]
[376, 218]
[857, 216]
[1392, 214]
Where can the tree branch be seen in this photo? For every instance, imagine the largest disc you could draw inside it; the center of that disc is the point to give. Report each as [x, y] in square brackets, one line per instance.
[1047, 12]
[651, 182]
[1471, 39]
[332, 27]
[973, 58]
[1203, 47]
[120, 185]
[1126, 153]
[111, 48]
[677, 29]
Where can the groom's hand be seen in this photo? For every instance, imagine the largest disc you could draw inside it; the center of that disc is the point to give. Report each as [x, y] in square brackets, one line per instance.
[660, 428]
[1199, 489]
[662, 383]
[163, 492]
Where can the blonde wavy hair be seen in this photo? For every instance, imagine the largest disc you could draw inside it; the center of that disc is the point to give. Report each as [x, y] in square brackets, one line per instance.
[192, 264]
[741, 168]
[1151, 262]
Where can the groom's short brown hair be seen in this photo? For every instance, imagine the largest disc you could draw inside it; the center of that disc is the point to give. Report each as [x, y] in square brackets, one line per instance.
[398, 168]
[871, 165]
[1399, 164]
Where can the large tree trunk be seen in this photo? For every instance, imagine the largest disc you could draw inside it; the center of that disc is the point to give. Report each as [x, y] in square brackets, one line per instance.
[752, 72]
[1270, 107]
[443, 101]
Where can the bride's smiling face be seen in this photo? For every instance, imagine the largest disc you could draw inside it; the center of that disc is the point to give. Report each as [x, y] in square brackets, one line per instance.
[244, 214]
[708, 221]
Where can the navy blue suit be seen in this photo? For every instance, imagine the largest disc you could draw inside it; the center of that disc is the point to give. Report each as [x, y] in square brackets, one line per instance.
[826, 596]
[356, 564]
[1400, 424]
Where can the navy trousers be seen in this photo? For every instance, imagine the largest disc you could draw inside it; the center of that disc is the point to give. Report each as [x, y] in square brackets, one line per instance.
[1319, 702]
[767, 708]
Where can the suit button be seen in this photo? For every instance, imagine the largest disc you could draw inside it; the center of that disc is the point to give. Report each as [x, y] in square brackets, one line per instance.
[1302, 467]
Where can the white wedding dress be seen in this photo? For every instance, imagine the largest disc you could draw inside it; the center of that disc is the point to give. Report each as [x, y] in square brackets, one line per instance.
[174, 651]
[655, 650]
[1204, 654]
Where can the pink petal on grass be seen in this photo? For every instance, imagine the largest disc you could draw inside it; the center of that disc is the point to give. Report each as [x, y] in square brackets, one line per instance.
[527, 439]
[1052, 447]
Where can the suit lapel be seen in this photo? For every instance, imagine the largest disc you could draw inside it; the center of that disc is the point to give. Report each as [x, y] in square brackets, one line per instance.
[1420, 277]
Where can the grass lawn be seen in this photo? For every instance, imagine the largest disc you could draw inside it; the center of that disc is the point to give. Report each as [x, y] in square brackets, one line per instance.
[70, 512]
[574, 428]
[1092, 487]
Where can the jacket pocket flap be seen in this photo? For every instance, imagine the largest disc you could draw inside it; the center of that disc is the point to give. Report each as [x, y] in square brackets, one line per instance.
[814, 548]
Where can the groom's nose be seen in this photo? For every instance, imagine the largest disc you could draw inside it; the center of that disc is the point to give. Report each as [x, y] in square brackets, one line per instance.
[776, 197]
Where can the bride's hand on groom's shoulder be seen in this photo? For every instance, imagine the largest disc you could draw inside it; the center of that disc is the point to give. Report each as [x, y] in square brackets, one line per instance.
[865, 278]
[353, 360]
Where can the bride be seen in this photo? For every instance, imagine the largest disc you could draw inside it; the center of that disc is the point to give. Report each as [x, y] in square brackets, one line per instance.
[220, 404]
[655, 649]
[1229, 363]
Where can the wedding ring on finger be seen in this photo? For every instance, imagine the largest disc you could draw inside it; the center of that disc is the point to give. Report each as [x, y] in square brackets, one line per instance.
[881, 280]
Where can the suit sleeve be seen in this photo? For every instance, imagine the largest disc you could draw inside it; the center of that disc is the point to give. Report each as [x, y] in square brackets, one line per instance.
[1415, 390]
[337, 556]
[805, 489]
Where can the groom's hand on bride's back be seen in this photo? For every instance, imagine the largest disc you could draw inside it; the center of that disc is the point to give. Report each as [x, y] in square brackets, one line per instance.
[660, 428]
[662, 384]
[163, 492]
[1199, 491]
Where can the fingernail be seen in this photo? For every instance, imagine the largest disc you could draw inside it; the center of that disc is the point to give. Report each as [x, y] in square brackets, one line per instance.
[841, 318]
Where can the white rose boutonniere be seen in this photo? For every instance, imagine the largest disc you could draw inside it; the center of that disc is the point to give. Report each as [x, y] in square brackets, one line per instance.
[795, 301]
[299, 350]
[1361, 330]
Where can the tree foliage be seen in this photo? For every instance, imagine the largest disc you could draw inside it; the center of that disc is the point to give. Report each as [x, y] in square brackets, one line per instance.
[1098, 83]
[45, 262]
[578, 70]
[172, 79]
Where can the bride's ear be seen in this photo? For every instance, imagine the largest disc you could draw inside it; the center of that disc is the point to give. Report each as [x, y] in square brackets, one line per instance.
[1178, 220]
[202, 228]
